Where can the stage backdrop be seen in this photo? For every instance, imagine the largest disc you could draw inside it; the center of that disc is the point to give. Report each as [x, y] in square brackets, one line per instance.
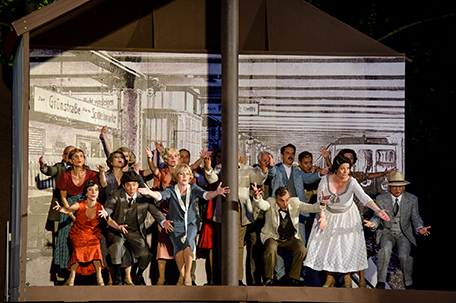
[175, 98]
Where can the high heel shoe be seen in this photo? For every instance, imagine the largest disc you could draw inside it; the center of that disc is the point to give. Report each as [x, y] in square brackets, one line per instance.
[180, 281]
[188, 280]
[347, 280]
[330, 281]
[362, 280]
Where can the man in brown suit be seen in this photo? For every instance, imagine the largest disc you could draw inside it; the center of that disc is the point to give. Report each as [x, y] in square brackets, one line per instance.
[129, 208]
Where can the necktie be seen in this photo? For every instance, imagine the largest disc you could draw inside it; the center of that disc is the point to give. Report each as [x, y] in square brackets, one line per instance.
[396, 206]
[130, 201]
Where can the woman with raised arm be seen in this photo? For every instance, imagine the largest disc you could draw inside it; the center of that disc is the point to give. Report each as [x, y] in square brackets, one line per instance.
[183, 212]
[71, 186]
[162, 179]
[336, 243]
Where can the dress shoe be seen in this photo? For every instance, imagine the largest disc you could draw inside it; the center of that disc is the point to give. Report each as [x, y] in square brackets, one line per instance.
[241, 283]
[380, 285]
[409, 287]
[117, 280]
[268, 282]
[294, 282]
[140, 280]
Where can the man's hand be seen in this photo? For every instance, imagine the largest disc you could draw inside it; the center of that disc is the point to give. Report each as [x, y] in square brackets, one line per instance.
[424, 231]
[257, 191]
[167, 225]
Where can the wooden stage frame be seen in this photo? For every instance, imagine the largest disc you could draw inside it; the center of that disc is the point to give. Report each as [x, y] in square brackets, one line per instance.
[229, 293]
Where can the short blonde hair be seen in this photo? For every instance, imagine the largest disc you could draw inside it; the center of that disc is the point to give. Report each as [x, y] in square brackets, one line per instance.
[168, 150]
[180, 168]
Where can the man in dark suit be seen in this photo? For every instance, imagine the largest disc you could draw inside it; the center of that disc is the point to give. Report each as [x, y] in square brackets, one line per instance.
[400, 231]
[127, 207]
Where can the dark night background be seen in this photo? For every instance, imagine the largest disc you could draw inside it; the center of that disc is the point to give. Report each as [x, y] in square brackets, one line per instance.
[425, 33]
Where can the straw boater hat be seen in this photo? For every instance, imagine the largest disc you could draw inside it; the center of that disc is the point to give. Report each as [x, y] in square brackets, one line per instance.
[397, 179]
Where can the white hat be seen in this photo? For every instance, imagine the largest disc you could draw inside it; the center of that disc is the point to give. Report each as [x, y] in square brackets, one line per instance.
[397, 179]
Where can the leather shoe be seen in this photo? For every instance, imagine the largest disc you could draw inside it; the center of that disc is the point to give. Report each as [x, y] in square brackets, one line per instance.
[380, 285]
[409, 287]
[117, 280]
[268, 282]
[140, 280]
[241, 283]
[294, 282]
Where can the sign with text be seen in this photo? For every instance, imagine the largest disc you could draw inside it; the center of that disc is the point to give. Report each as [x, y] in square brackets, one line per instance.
[67, 107]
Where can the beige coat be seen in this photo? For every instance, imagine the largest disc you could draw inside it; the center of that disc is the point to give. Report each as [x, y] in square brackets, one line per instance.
[272, 219]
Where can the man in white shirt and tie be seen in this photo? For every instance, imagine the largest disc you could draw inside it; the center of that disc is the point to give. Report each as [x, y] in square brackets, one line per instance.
[400, 231]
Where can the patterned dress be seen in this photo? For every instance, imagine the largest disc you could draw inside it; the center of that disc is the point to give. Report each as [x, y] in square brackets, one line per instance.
[340, 247]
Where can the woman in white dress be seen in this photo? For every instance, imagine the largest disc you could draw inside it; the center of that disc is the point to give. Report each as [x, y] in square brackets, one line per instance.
[336, 243]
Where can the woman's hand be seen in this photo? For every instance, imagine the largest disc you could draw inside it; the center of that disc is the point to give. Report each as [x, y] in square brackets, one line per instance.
[205, 153]
[322, 223]
[159, 146]
[101, 168]
[57, 206]
[103, 213]
[382, 214]
[148, 152]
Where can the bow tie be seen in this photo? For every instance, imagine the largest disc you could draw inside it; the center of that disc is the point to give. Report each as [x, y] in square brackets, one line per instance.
[283, 213]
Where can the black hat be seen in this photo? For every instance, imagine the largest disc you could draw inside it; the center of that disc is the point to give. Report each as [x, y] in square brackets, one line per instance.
[130, 176]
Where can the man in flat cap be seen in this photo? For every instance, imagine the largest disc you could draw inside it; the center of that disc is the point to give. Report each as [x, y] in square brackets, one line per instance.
[400, 231]
[128, 208]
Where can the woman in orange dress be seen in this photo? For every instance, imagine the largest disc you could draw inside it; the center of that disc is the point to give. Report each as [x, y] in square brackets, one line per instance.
[85, 235]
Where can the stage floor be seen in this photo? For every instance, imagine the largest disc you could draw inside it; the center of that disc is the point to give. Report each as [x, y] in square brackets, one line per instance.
[229, 293]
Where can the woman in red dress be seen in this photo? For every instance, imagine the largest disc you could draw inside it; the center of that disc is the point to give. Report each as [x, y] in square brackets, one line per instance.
[85, 235]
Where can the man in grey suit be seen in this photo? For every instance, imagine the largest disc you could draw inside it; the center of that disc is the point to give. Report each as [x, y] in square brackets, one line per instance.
[128, 208]
[400, 231]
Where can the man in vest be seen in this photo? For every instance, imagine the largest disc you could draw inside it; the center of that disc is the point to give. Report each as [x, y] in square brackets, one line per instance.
[400, 231]
[281, 230]
[128, 207]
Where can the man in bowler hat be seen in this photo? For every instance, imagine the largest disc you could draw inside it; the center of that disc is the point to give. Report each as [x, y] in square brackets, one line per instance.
[127, 207]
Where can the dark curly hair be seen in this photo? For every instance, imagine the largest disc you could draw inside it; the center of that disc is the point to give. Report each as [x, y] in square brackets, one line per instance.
[338, 161]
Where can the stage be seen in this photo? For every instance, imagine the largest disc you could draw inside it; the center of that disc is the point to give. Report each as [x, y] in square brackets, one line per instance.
[229, 293]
